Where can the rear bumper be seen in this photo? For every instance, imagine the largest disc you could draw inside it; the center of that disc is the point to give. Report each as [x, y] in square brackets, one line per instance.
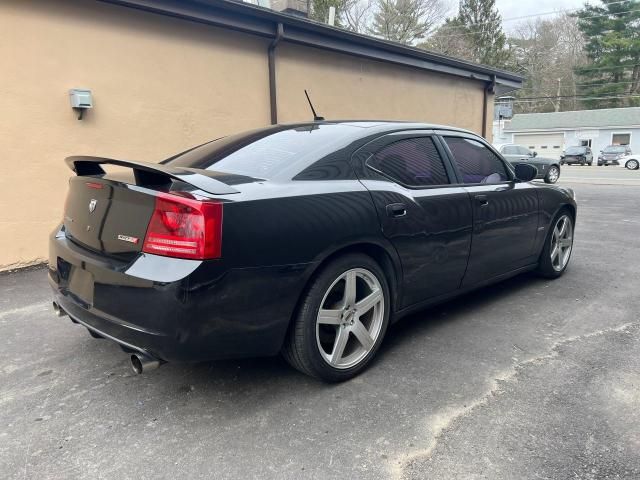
[173, 309]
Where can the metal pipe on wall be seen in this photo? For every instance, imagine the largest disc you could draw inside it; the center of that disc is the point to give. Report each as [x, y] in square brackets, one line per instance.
[490, 88]
[272, 73]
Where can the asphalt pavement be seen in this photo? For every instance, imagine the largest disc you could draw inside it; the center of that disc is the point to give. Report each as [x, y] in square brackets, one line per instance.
[526, 379]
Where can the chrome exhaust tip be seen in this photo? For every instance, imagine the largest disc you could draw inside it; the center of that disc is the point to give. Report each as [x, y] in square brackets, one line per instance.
[58, 310]
[141, 363]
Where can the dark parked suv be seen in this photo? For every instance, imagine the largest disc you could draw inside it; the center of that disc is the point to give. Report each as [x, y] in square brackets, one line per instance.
[577, 155]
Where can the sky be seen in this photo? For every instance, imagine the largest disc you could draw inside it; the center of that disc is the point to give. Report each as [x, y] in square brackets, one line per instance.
[517, 8]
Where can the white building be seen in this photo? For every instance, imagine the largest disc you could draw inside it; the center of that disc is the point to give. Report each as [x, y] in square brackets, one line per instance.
[550, 134]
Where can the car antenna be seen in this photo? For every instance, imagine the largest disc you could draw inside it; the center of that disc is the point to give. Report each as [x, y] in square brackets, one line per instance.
[316, 118]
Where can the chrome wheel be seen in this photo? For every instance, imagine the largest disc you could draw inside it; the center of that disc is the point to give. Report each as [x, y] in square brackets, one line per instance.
[350, 318]
[553, 174]
[561, 243]
[632, 165]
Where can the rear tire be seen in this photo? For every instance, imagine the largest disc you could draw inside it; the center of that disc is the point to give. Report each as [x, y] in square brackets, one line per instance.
[632, 164]
[341, 320]
[558, 246]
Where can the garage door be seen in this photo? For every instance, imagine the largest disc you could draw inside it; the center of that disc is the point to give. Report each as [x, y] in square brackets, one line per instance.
[546, 144]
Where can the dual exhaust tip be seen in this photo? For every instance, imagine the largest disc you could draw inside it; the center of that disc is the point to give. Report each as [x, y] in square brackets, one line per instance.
[140, 362]
[58, 310]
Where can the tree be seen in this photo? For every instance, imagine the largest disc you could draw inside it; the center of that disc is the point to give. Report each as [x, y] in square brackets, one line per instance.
[406, 21]
[474, 34]
[547, 52]
[613, 48]
[358, 14]
[320, 10]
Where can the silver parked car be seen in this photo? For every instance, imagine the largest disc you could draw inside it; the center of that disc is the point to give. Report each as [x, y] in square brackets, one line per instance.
[613, 154]
[548, 168]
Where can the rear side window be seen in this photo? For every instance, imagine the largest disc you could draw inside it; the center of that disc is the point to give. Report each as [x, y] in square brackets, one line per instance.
[414, 162]
[523, 151]
[476, 163]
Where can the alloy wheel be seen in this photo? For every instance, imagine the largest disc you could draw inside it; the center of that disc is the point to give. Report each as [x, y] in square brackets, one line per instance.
[553, 174]
[561, 243]
[632, 165]
[350, 318]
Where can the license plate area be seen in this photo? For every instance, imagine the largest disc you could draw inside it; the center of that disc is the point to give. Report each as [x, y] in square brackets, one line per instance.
[81, 285]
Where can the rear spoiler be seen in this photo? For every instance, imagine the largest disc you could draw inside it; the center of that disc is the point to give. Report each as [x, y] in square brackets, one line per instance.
[153, 173]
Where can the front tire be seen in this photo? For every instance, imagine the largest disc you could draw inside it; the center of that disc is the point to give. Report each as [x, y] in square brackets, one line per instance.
[341, 321]
[632, 165]
[553, 174]
[558, 246]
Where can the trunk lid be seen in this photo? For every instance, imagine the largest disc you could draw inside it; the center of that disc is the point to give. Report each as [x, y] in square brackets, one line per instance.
[106, 216]
[111, 216]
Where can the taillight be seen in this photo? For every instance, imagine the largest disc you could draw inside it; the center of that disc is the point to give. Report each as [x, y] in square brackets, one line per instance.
[185, 228]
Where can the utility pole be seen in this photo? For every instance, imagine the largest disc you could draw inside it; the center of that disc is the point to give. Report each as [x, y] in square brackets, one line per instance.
[558, 96]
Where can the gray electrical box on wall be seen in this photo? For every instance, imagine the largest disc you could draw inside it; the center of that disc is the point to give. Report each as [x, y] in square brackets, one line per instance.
[81, 100]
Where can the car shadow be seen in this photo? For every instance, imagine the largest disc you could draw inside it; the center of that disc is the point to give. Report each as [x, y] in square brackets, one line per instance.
[253, 374]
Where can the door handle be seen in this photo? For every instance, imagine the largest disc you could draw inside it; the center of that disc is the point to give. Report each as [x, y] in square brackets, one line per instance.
[397, 210]
[483, 200]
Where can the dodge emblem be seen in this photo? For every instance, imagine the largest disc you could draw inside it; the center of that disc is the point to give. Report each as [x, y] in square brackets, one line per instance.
[92, 205]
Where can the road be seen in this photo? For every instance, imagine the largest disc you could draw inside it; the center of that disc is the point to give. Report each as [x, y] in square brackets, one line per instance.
[527, 379]
[611, 175]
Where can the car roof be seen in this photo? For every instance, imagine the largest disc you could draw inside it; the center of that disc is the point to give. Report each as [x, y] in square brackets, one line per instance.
[382, 125]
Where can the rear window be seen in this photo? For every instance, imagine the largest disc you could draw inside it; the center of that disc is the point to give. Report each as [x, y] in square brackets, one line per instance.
[264, 153]
[614, 150]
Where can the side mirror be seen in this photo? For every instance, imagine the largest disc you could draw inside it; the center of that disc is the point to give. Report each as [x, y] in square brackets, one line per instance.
[525, 172]
[535, 154]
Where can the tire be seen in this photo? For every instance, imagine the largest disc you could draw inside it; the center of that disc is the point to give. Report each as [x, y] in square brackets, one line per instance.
[554, 266]
[311, 343]
[632, 164]
[591, 164]
[553, 174]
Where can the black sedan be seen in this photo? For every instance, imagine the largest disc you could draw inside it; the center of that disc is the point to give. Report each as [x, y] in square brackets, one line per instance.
[548, 168]
[306, 240]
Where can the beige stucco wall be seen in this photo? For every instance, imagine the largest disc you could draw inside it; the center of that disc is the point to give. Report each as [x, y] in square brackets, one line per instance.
[343, 86]
[161, 85]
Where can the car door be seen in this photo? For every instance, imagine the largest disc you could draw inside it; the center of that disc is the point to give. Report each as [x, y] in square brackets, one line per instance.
[505, 212]
[426, 218]
[528, 157]
[512, 154]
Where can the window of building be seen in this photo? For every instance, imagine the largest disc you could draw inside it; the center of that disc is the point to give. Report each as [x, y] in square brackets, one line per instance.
[620, 139]
[414, 162]
[476, 163]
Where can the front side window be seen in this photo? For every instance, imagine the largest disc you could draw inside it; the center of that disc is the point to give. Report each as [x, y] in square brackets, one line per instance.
[510, 150]
[414, 162]
[476, 163]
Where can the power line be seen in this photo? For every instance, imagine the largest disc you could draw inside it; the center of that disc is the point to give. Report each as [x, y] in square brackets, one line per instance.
[581, 86]
[554, 97]
[532, 15]
[578, 98]
[435, 35]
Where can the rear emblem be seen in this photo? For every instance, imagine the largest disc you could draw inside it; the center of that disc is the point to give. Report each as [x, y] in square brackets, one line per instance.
[92, 205]
[127, 238]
